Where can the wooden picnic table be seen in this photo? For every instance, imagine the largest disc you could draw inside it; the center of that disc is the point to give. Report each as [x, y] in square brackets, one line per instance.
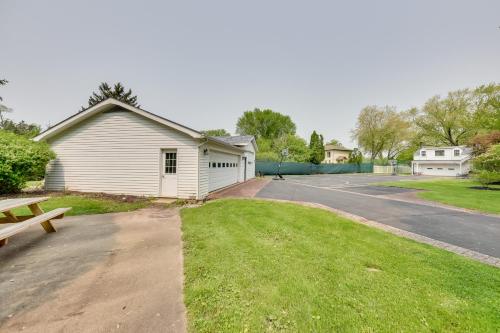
[22, 222]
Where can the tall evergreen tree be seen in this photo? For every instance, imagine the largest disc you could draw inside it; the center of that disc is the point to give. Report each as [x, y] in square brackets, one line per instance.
[316, 147]
[117, 92]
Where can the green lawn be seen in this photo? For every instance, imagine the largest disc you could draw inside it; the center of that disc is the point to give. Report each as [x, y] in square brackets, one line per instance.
[456, 192]
[256, 266]
[88, 204]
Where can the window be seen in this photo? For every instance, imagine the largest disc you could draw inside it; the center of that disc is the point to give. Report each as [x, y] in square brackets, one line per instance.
[429, 168]
[218, 164]
[439, 153]
[214, 165]
[456, 152]
[170, 163]
[451, 168]
[440, 168]
[328, 154]
[423, 153]
[209, 164]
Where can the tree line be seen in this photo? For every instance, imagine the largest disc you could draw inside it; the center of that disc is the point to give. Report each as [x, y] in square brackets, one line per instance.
[460, 118]
[467, 116]
[275, 132]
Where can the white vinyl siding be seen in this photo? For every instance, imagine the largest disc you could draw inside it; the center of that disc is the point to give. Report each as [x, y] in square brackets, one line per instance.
[120, 152]
[250, 161]
[203, 171]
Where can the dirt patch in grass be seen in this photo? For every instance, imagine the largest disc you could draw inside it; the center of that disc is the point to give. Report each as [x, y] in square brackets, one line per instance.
[90, 195]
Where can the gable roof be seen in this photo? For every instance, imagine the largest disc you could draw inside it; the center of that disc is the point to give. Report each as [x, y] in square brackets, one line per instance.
[107, 105]
[335, 147]
[238, 140]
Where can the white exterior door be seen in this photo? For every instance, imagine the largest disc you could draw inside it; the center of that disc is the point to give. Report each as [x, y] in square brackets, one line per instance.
[223, 170]
[169, 173]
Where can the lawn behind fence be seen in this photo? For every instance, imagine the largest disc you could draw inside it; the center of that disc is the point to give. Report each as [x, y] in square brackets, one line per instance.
[254, 266]
[455, 192]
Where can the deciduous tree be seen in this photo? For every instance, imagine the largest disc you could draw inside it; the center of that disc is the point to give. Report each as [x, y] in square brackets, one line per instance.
[3, 82]
[265, 124]
[371, 131]
[448, 121]
[335, 142]
[216, 132]
[487, 105]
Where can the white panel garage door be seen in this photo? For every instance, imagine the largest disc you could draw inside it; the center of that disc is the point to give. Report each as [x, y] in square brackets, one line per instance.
[439, 169]
[223, 170]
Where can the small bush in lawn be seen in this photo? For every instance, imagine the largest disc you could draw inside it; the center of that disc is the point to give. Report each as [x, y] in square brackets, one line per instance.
[487, 166]
[21, 160]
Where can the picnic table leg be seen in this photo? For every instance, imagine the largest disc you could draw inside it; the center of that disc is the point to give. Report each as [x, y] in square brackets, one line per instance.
[36, 210]
[11, 216]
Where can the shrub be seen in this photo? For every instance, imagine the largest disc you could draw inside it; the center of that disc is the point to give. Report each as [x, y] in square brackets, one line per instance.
[21, 160]
[481, 142]
[487, 166]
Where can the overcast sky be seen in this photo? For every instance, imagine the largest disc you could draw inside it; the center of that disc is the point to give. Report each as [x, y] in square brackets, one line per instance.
[202, 63]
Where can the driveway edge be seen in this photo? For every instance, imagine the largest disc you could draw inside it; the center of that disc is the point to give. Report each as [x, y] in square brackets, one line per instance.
[484, 258]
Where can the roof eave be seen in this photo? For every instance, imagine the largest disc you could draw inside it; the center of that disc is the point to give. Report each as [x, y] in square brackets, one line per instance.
[108, 104]
[222, 143]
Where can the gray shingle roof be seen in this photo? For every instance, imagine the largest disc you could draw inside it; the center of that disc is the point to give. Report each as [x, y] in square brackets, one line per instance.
[236, 140]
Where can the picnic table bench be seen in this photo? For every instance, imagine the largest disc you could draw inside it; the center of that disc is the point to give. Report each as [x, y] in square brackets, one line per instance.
[19, 223]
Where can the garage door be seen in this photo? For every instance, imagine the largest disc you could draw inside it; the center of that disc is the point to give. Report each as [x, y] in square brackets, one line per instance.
[223, 170]
[439, 169]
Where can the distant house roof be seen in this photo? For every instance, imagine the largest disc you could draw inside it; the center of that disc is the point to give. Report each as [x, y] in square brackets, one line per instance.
[335, 147]
[238, 140]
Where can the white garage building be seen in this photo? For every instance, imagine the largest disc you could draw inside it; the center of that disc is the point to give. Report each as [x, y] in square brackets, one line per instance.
[442, 161]
[113, 147]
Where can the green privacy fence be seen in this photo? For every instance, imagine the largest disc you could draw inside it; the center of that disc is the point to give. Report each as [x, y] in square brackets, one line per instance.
[294, 168]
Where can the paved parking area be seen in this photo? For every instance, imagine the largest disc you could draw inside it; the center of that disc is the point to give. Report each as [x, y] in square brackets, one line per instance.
[353, 194]
[98, 273]
[348, 180]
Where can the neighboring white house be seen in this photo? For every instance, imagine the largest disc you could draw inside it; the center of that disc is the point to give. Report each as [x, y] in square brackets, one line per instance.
[442, 161]
[113, 147]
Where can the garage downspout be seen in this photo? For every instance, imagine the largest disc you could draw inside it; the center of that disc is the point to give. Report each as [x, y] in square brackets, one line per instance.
[198, 187]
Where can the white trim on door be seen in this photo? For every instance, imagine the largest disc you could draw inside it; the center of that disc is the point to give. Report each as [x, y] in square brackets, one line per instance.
[168, 174]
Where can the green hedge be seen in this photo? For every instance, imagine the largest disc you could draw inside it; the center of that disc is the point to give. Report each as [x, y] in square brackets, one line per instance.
[294, 168]
[21, 159]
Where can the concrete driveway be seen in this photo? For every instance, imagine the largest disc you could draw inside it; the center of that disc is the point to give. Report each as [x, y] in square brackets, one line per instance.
[99, 273]
[353, 194]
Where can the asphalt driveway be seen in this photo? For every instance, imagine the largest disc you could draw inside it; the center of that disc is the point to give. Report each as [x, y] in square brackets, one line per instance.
[355, 195]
